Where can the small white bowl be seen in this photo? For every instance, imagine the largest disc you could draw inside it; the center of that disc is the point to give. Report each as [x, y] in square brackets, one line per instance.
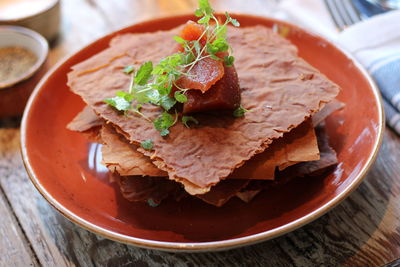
[28, 39]
[40, 16]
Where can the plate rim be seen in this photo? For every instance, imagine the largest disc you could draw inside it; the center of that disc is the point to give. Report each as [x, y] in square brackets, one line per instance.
[212, 245]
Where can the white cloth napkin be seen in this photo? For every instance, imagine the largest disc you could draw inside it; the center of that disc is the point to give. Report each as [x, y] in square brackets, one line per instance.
[375, 42]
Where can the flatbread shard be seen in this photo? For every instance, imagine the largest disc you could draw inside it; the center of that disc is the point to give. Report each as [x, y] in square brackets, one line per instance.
[123, 158]
[281, 89]
[135, 188]
[85, 120]
[299, 145]
[223, 192]
[119, 156]
[88, 123]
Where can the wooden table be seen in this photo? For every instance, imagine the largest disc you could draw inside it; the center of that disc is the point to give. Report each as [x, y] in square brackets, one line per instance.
[364, 230]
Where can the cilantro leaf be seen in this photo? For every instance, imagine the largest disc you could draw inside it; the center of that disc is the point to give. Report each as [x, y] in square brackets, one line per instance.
[239, 112]
[204, 20]
[219, 45]
[188, 58]
[197, 47]
[163, 123]
[152, 203]
[215, 57]
[221, 31]
[229, 60]
[187, 119]
[144, 73]
[147, 144]
[198, 13]
[127, 96]
[118, 103]
[128, 69]
[234, 22]
[179, 39]
[164, 132]
[205, 6]
[181, 98]
[167, 102]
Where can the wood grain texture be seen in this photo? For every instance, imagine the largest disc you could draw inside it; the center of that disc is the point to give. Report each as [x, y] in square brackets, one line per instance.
[13, 245]
[364, 230]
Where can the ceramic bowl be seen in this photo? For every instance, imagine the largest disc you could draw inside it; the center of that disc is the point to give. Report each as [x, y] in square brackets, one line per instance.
[66, 170]
[40, 16]
[15, 93]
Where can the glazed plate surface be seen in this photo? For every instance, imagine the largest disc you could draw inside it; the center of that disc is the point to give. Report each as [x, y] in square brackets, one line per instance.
[66, 168]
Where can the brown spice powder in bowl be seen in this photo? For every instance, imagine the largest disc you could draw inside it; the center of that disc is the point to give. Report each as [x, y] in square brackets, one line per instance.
[15, 63]
[22, 53]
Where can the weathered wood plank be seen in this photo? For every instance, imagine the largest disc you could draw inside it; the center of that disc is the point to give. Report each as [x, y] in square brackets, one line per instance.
[362, 231]
[14, 248]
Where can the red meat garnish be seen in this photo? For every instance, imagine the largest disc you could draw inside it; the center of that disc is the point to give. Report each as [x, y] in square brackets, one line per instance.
[204, 73]
[224, 95]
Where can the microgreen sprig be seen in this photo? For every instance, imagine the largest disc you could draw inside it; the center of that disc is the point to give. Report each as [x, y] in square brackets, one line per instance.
[153, 84]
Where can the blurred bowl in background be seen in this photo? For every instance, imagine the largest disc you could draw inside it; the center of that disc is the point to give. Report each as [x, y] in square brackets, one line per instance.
[23, 54]
[42, 16]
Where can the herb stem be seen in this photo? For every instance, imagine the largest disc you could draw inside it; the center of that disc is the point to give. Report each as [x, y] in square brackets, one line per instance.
[141, 114]
[198, 58]
[131, 83]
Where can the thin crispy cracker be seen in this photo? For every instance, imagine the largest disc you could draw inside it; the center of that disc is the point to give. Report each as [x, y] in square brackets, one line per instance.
[298, 145]
[223, 192]
[85, 120]
[329, 108]
[123, 158]
[281, 89]
[140, 189]
[136, 188]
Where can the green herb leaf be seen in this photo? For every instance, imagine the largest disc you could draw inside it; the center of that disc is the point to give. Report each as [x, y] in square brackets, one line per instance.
[234, 22]
[215, 57]
[179, 39]
[204, 20]
[128, 69]
[205, 6]
[167, 102]
[188, 58]
[229, 60]
[163, 123]
[197, 47]
[164, 132]
[152, 203]
[220, 32]
[239, 112]
[187, 119]
[198, 13]
[181, 98]
[118, 103]
[144, 73]
[219, 45]
[153, 85]
[127, 96]
[148, 144]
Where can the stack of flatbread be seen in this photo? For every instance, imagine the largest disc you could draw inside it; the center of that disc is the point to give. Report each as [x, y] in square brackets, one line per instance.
[221, 157]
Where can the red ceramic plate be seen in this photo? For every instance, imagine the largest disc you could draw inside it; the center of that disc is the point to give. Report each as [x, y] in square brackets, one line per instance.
[64, 166]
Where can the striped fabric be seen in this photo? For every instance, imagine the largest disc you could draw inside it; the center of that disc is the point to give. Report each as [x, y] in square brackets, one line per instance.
[376, 44]
[386, 72]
